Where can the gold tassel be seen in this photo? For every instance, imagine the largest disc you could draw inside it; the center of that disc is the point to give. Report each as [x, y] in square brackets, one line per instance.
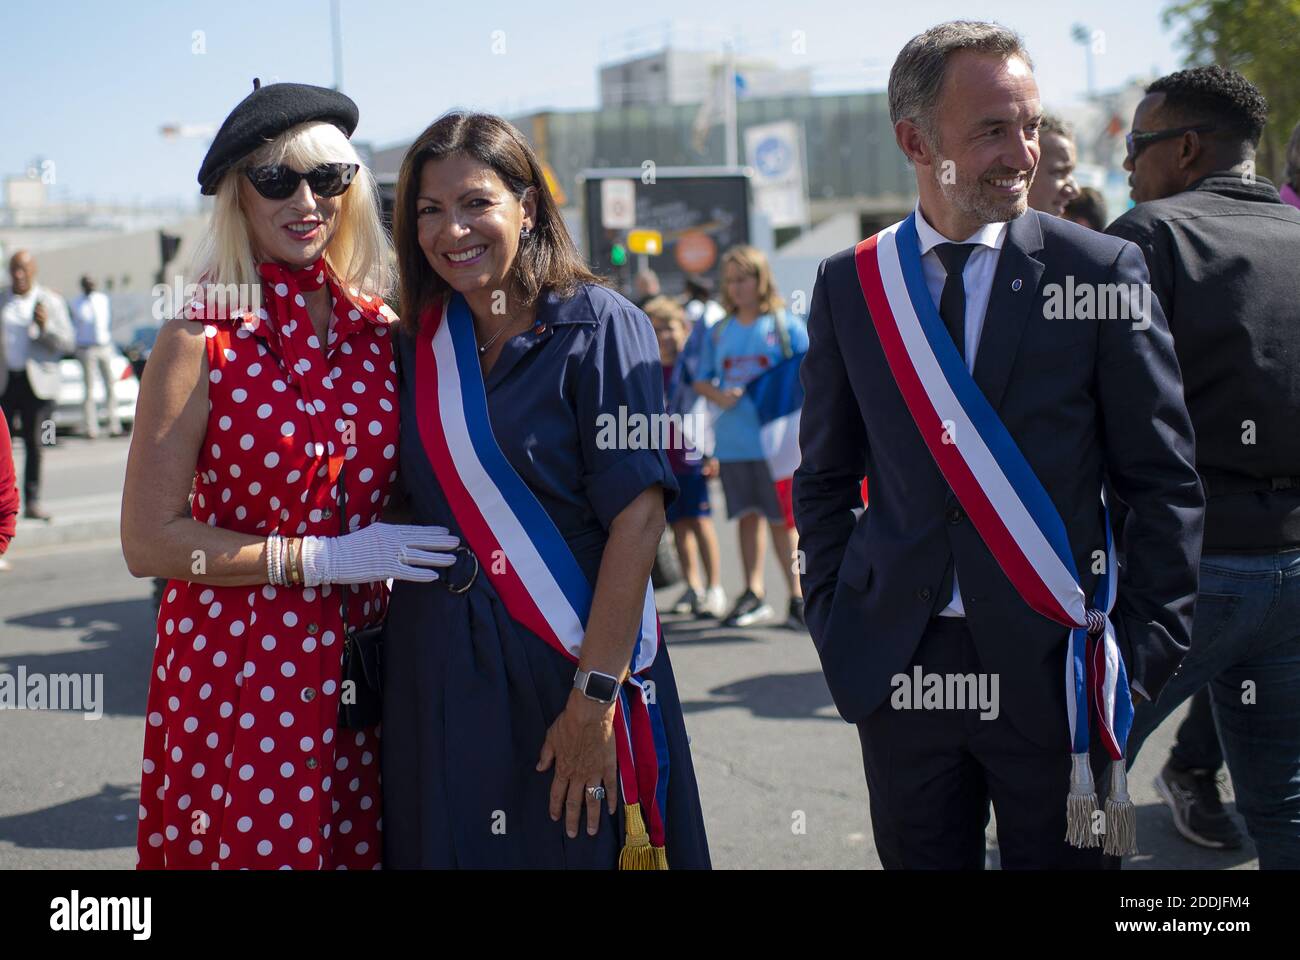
[637, 854]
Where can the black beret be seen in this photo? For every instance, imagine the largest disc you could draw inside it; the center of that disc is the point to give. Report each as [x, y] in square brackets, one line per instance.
[266, 113]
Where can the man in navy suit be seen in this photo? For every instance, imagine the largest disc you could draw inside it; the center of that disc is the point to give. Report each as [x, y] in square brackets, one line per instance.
[907, 588]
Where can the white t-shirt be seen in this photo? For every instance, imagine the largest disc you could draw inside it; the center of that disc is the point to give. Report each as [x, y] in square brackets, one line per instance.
[16, 318]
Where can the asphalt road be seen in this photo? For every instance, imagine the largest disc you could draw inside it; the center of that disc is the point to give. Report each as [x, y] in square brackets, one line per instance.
[780, 774]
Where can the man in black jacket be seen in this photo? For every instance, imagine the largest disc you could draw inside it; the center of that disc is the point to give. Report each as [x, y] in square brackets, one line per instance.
[1224, 256]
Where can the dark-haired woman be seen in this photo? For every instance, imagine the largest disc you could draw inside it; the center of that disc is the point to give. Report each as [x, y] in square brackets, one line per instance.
[531, 715]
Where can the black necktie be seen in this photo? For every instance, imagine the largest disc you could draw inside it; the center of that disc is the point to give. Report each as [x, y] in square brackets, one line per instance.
[952, 308]
[952, 302]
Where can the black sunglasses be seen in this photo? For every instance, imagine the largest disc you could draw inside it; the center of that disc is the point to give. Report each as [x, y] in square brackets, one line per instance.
[281, 182]
[1137, 142]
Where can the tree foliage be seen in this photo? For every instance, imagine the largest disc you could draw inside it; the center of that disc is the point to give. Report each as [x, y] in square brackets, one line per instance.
[1259, 38]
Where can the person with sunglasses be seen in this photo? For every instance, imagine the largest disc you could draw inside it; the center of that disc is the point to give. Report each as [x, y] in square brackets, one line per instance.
[1222, 247]
[1223, 250]
[263, 452]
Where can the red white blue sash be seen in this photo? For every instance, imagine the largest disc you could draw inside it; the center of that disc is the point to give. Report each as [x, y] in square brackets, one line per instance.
[1009, 508]
[519, 548]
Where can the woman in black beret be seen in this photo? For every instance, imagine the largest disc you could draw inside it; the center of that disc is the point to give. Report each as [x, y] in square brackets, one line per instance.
[264, 450]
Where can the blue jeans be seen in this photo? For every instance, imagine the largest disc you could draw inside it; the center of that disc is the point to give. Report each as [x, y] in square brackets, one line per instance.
[1246, 647]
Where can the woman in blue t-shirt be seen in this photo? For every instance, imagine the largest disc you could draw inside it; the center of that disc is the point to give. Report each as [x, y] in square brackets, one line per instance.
[755, 336]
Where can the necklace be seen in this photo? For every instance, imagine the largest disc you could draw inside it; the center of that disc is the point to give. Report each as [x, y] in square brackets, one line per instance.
[493, 339]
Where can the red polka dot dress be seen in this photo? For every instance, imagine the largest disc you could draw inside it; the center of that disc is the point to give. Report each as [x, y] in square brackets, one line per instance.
[245, 765]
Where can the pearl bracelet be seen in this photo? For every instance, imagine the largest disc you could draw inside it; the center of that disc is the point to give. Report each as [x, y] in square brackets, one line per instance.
[274, 561]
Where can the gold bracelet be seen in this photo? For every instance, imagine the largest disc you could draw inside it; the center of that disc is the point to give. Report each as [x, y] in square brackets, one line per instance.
[295, 559]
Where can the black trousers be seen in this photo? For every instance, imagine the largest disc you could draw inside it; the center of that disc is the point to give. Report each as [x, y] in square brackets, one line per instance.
[932, 773]
[20, 404]
[1196, 746]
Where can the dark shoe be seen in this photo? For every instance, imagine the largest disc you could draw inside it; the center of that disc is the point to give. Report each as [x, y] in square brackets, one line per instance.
[749, 610]
[1193, 796]
[795, 620]
[688, 602]
[33, 512]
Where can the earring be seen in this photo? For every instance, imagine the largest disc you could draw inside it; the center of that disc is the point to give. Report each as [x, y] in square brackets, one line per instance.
[524, 233]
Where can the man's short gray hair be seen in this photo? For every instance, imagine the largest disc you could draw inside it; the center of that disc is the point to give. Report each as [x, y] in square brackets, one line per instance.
[917, 75]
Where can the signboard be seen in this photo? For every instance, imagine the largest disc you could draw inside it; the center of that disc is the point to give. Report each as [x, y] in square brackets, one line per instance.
[618, 204]
[698, 214]
[775, 151]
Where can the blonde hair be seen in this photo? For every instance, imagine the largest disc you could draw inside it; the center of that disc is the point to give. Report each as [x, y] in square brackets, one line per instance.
[358, 253]
[665, 310]
[751, 260]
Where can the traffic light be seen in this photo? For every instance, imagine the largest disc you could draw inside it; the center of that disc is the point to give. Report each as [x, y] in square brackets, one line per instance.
[648, 242]
[618, 255]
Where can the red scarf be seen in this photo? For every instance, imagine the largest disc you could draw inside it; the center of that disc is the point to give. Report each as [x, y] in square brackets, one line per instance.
[284, 325]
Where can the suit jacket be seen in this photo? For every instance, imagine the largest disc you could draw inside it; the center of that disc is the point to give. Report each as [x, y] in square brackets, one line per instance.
[1084, 399]
[45, 349]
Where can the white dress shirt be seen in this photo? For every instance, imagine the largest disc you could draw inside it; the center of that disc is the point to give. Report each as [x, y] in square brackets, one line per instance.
[91, 316]
[977, 278]
[16, 317]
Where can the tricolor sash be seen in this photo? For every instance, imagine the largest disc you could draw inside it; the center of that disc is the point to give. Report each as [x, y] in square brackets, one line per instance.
[525, 557]
[1012, 513]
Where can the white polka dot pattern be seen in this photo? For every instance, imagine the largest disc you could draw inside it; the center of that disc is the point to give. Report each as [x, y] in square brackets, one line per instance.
[243, 699]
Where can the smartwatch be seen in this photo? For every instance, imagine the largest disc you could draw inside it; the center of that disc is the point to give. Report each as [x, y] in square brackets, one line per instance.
[596, 686]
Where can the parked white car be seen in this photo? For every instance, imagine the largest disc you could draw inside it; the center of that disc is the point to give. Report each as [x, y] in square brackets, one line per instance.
[68, 412]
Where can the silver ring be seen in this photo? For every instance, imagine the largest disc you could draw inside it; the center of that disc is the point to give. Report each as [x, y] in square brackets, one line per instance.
[596, 793]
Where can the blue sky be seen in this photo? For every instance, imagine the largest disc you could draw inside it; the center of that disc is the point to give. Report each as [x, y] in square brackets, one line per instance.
[87, 84]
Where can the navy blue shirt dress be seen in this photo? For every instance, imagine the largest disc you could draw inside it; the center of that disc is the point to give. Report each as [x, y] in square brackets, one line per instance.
[469, 693]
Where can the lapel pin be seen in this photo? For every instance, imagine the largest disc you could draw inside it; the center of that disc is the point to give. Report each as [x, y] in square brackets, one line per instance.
[1015, 284]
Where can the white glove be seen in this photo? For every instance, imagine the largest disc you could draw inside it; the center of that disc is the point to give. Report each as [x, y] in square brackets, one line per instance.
[378, 552]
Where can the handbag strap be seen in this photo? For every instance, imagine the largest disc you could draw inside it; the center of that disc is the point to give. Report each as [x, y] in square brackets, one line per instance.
[343, 529]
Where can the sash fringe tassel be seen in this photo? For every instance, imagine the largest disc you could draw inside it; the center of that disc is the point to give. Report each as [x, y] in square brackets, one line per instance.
[637, 854]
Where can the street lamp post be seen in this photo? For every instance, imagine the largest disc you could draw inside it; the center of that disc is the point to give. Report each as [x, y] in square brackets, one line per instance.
[336, 35]
[1083, 35]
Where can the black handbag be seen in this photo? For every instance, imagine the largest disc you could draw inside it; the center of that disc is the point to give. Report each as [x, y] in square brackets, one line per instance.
[360, 696]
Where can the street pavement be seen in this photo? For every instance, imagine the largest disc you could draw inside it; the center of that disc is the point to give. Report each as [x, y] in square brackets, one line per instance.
[780, 774]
